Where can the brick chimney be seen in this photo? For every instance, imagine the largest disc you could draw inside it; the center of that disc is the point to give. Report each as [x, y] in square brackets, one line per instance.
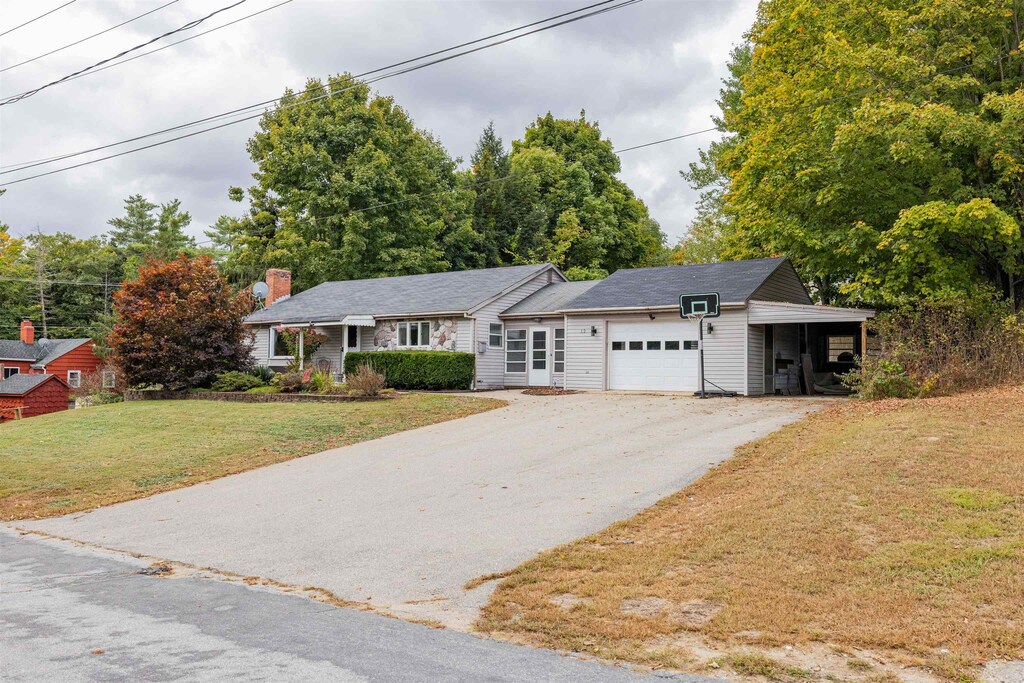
[28, 332]
[280, 283]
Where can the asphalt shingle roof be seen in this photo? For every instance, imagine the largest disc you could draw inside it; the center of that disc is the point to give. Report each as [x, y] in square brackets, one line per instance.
[22, 383]
[40, 353]
[450, 292]
[735, 281]
[551, 298]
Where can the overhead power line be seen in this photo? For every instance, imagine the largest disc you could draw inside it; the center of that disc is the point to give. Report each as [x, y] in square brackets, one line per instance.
[82, 40]
[190, 25]
[177, 42]
[45, 14]
[330, 92]
[11, 168]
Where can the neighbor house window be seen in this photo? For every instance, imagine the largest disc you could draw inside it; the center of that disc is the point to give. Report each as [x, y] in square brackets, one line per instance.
[559, 349]
[840, 349]
[495, 334]
[414, 334]
[10, 371]
[515, 351]
[109, 379]
[74, 378]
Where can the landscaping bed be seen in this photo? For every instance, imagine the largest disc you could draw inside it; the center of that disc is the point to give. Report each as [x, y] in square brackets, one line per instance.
[870, 542]
[80, 459]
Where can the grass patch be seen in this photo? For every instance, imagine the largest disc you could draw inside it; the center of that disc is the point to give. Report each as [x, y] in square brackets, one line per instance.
[896, 526]
[80, 459]
[754, 664]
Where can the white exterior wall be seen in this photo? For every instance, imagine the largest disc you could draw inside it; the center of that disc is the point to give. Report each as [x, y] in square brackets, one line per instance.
[490, 365]
[518, 379]
[755, 360]
[725, 349]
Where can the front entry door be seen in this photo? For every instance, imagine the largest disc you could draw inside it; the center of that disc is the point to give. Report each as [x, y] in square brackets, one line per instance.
[539, 373]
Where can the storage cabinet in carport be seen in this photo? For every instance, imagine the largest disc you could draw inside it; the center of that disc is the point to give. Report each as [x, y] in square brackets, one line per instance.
[659, 355]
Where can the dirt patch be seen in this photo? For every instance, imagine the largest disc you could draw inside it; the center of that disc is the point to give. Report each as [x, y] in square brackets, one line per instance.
[567, 600]
[548, 391]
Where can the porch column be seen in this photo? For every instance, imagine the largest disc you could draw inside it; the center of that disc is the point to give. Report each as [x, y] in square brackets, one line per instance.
[863, 340]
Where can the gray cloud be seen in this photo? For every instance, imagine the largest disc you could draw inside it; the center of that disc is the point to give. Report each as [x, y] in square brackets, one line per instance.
[646, 72]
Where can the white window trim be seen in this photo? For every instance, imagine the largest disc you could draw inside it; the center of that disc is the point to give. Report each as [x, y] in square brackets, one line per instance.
[77, 382]
[407, 324]
[500, 335]
[7, 371]
[525, 351]
[273, 343]
[554, 345]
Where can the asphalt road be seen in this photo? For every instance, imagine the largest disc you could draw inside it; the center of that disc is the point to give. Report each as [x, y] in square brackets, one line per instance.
[73, 614]
[403, 522]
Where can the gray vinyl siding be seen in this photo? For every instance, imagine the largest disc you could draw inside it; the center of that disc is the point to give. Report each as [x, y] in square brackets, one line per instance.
[464, 335]
[490, 365]
[755, 360]
[585, 354]
[261, 344]
[725, 349]
[782, 285]
[518, 379]
[331, 348]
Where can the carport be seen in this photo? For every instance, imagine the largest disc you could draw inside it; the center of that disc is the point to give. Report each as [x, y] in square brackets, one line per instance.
[829, 338]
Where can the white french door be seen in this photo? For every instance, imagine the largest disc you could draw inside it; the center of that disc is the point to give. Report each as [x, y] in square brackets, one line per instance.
[539, 370]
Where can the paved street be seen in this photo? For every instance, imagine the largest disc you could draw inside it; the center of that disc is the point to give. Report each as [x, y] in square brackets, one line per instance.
[404, 522]
[74, 614]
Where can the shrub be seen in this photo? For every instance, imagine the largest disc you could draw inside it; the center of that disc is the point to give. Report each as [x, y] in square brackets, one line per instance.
[233, 380]
[322, 382]
[416, 369]
[941, 348]
[288, 382]
[365, 381]
[262, 373]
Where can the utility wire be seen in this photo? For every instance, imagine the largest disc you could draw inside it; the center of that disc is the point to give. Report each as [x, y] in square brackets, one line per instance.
[45, 14]
[177, 42]
[328, 94]
[190, 25]
[30, 164]
[82, 40]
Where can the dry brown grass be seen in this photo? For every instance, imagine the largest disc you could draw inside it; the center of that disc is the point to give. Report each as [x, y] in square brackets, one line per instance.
[893, 527]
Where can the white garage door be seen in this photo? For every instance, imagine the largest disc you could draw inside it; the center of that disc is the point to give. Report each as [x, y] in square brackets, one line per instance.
[653, 356]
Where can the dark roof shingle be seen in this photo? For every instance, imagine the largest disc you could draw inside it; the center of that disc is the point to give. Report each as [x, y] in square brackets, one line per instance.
[451, 292]
[22, 383]
[735, 281]
[551, 298]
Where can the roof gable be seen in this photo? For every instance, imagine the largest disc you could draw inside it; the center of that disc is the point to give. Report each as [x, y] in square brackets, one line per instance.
[735, 282]
[21, 384]
[451, 292]
[550, 298]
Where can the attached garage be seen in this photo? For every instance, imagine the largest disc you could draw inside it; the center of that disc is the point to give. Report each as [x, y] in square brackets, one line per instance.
[660, 355]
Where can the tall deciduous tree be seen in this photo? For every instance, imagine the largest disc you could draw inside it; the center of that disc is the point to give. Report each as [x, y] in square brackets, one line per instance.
[347, 187]
[179, 324]
[880, 144]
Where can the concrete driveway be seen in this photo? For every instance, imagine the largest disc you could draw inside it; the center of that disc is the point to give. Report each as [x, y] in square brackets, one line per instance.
[405, 521]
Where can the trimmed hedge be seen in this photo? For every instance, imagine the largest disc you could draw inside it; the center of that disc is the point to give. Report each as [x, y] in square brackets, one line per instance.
[417, 369]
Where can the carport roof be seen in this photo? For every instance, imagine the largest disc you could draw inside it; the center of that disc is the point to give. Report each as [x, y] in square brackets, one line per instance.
[735, 282]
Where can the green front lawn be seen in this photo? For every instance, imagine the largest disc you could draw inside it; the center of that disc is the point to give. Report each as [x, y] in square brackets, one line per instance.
[80, 459]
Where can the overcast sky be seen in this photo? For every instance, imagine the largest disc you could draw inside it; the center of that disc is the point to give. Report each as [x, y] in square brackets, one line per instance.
[645, 72]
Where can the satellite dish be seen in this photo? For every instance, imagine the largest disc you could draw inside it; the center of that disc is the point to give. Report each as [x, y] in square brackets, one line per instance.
[260, 290]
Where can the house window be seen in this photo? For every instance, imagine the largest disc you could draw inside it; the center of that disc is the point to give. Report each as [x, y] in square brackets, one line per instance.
[636, 346]
[618, 346]
[689, 345]
[74, 378]
[672, 345]
[109, 379]
[559, 349]
[654, 346]
[495, 332]
[840, 349]
[414, 334]
[515, 351]
[278, 347]
[10, 371]
[352, 337]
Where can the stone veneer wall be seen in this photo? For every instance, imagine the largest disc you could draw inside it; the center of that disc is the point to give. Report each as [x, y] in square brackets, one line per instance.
[443, 332]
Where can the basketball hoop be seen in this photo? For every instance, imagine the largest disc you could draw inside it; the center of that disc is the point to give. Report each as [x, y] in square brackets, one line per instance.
[696, 307]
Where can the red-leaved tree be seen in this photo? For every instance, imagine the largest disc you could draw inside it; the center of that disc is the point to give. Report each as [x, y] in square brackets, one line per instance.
[179, 324]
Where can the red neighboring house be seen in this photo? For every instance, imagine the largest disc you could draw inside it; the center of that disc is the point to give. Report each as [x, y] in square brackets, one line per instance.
[66, 359]
[34, 394]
